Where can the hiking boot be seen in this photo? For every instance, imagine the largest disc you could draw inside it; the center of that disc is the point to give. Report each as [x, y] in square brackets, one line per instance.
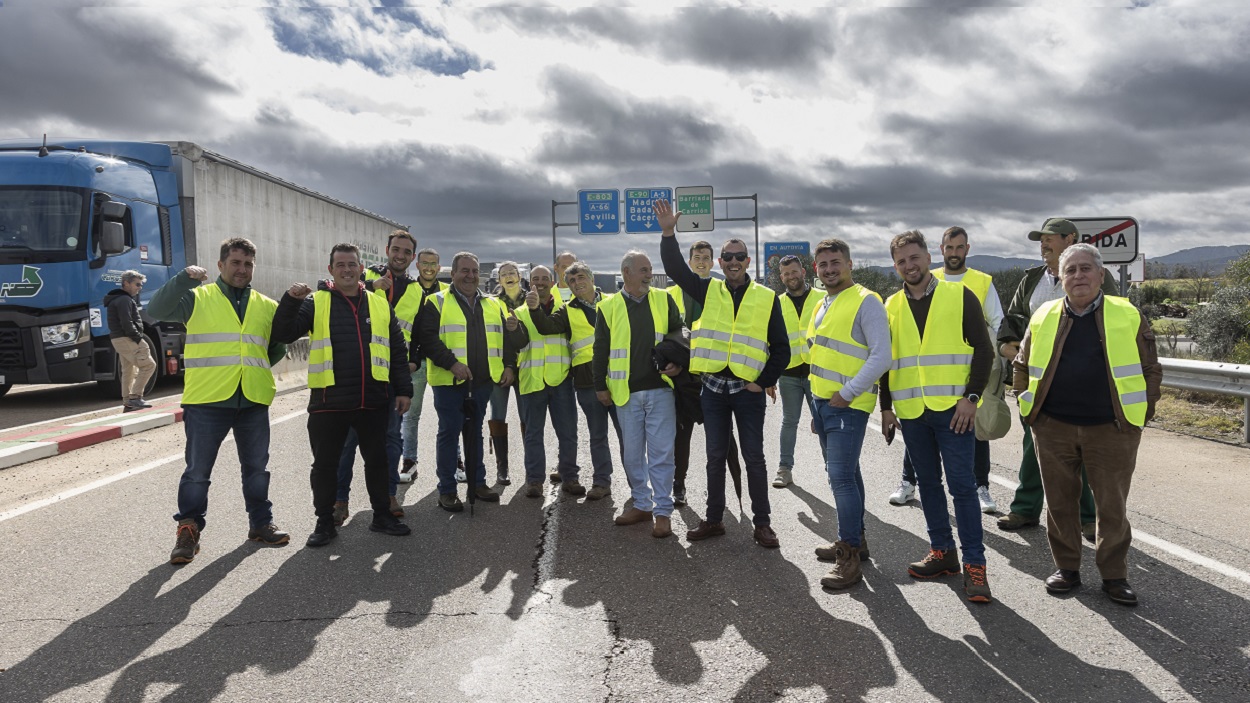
[340, 512]
[828, 552]
[784, 478]
[1015, 521]
[322, 534]
[486, 494]
[906, 491]
[863, 547]
[187, 544]
[679, 496]
[534, 489]
[1089, 531]
[633, 516]
[389, 524]
[408, 473]
[269, 534]
[845, 570]
[450, 502]
[597, 492]
[765, 537]
[555, 477]
[572, 487]
[704, 530]
[1062, 581]
[976, 587]
[937, 562]
[1119, 591]
[662, 528]
[396, 509]
[988, 506]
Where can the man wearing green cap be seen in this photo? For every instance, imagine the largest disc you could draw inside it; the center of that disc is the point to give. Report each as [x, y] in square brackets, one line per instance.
[1039, 286]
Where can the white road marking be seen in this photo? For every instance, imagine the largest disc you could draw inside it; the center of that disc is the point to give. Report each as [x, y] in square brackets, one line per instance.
[100, 483]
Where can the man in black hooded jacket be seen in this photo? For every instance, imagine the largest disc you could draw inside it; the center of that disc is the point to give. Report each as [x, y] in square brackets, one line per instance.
[126, 335]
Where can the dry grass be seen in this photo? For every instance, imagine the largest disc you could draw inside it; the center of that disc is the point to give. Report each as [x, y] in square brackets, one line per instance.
[1201, 414]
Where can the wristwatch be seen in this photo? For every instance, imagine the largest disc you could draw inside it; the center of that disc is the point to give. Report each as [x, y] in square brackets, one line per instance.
[973, 397]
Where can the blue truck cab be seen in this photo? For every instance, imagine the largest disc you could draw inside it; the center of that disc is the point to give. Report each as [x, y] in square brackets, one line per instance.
[73, 217]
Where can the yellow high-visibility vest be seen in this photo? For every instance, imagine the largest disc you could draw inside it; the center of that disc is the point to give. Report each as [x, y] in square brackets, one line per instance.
[932, 372]
[321, 352]
[977, 281]
[796, 326]
[453, 331]
[616, 317]
[737, 340]
[581, 334]
[1121, 321]
[222, 354]
[545, 360]
[675, 292]
[835, 356]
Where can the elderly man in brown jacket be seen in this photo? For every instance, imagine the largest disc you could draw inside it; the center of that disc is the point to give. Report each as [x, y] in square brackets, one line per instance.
[1087, 379]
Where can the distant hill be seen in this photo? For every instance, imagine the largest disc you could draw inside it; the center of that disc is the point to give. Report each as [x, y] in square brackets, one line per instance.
[1212, 258]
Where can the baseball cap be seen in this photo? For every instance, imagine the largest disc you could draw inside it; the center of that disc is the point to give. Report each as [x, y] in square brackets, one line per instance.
[1055, 225]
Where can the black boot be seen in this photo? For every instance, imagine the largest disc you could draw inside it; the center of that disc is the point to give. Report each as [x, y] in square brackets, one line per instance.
[499, 445]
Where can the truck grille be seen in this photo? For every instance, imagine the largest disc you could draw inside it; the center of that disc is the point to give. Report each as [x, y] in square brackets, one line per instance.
[12, 354]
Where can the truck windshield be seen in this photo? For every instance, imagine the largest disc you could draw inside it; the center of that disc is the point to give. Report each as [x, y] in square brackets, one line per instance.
[41, 220]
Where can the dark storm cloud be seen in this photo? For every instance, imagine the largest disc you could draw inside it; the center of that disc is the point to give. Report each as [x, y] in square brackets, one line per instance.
[1173, 96]
[596, 126]
[737, 39]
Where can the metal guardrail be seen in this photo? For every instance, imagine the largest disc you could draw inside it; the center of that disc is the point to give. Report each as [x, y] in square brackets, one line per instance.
[1211, 377]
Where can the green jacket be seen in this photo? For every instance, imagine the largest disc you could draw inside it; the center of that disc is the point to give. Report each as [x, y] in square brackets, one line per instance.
[175, 301]
[1017, 315]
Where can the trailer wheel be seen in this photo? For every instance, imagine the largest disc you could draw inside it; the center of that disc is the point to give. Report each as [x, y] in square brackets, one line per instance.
[113, 388]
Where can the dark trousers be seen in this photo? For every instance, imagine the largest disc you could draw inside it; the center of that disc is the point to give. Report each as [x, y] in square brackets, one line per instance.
[719, 412]
[980, 465]
[681, 450]
[327, 432]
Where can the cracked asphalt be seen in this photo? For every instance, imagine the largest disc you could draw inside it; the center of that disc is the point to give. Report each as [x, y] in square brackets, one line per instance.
[547, 600]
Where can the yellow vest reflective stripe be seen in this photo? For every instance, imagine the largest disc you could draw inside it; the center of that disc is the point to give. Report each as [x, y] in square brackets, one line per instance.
[931, 372]
[835, 355]
[581, 335]
[737, 340]
[321, 352]
[616, 317]
[222, 354]
[796, 326]
[406, 307]
[545, 360]
[1121, 321]
[453, 332]
[976, 281]
[675, 292]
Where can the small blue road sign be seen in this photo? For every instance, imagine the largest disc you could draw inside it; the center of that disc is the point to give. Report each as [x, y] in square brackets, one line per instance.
[639, 217]
[599, 211]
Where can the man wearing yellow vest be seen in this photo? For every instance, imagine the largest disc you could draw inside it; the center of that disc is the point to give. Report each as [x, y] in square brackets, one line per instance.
[469, 343]
[228, 386]
[954, 269]
[562, 264]
[630, 325]
[576, 322]
[357, 376]
[545, 385]
[741, 347]
[427, 280]
[942, 355]
[1087, 379]
[798, 301]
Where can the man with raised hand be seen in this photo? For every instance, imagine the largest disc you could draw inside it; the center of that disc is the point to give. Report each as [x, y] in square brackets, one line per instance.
[741, 348]
[798, 301]
[545, 385]
[942, 355]
[357, 376]
[848, 343]
[562, 264]
[228, 387]
[576, 321]
[428, 284]
[630, 325]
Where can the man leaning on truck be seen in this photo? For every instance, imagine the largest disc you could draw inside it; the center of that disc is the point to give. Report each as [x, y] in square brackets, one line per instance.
[228, 386]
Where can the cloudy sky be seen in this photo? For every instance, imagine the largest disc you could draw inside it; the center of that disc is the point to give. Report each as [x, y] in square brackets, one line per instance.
[465, 122]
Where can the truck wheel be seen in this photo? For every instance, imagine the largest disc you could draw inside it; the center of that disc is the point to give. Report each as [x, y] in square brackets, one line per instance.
[113, 389]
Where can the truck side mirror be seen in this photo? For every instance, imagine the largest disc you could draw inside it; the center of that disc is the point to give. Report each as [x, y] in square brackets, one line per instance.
[112, 237]
[113, 210]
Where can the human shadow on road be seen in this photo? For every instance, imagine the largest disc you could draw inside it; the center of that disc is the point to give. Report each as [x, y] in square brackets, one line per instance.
[118, 633]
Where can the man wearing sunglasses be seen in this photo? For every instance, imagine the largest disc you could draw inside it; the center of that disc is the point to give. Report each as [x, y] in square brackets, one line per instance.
[741, 347]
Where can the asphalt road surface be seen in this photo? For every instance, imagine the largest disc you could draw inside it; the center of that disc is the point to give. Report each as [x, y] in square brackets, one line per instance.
[547, 600]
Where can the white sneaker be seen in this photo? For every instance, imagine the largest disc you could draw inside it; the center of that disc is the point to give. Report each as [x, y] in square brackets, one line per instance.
[988, 506]
[406, 476]
[784, 478]
[461, 477]
[906, 491]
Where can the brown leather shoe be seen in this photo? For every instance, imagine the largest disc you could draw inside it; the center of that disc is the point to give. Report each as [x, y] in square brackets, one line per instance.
[765, 537]
[662, 528]
[633, 516]
[704, 530]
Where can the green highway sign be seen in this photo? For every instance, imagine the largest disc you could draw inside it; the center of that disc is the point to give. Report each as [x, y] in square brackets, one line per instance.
[695, 205]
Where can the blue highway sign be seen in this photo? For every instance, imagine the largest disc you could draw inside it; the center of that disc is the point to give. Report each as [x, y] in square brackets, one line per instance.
[599, 211]
[639, 217]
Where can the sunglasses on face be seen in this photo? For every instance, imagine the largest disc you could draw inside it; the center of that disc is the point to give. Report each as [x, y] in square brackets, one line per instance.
[734, 256]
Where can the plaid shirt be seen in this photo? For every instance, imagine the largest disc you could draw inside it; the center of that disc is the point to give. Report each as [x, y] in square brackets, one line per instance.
[723, 384]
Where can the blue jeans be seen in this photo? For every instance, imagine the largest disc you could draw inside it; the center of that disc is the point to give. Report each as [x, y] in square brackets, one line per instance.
[795, 393]
[449, 404]
[980, 466]
[843, 430]
[931, 440]
[648, 422]
[206, 428]
[534, 407]
[413, 416]
[597, 417]
[499, 402]
[719, 412]
[394, 446]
